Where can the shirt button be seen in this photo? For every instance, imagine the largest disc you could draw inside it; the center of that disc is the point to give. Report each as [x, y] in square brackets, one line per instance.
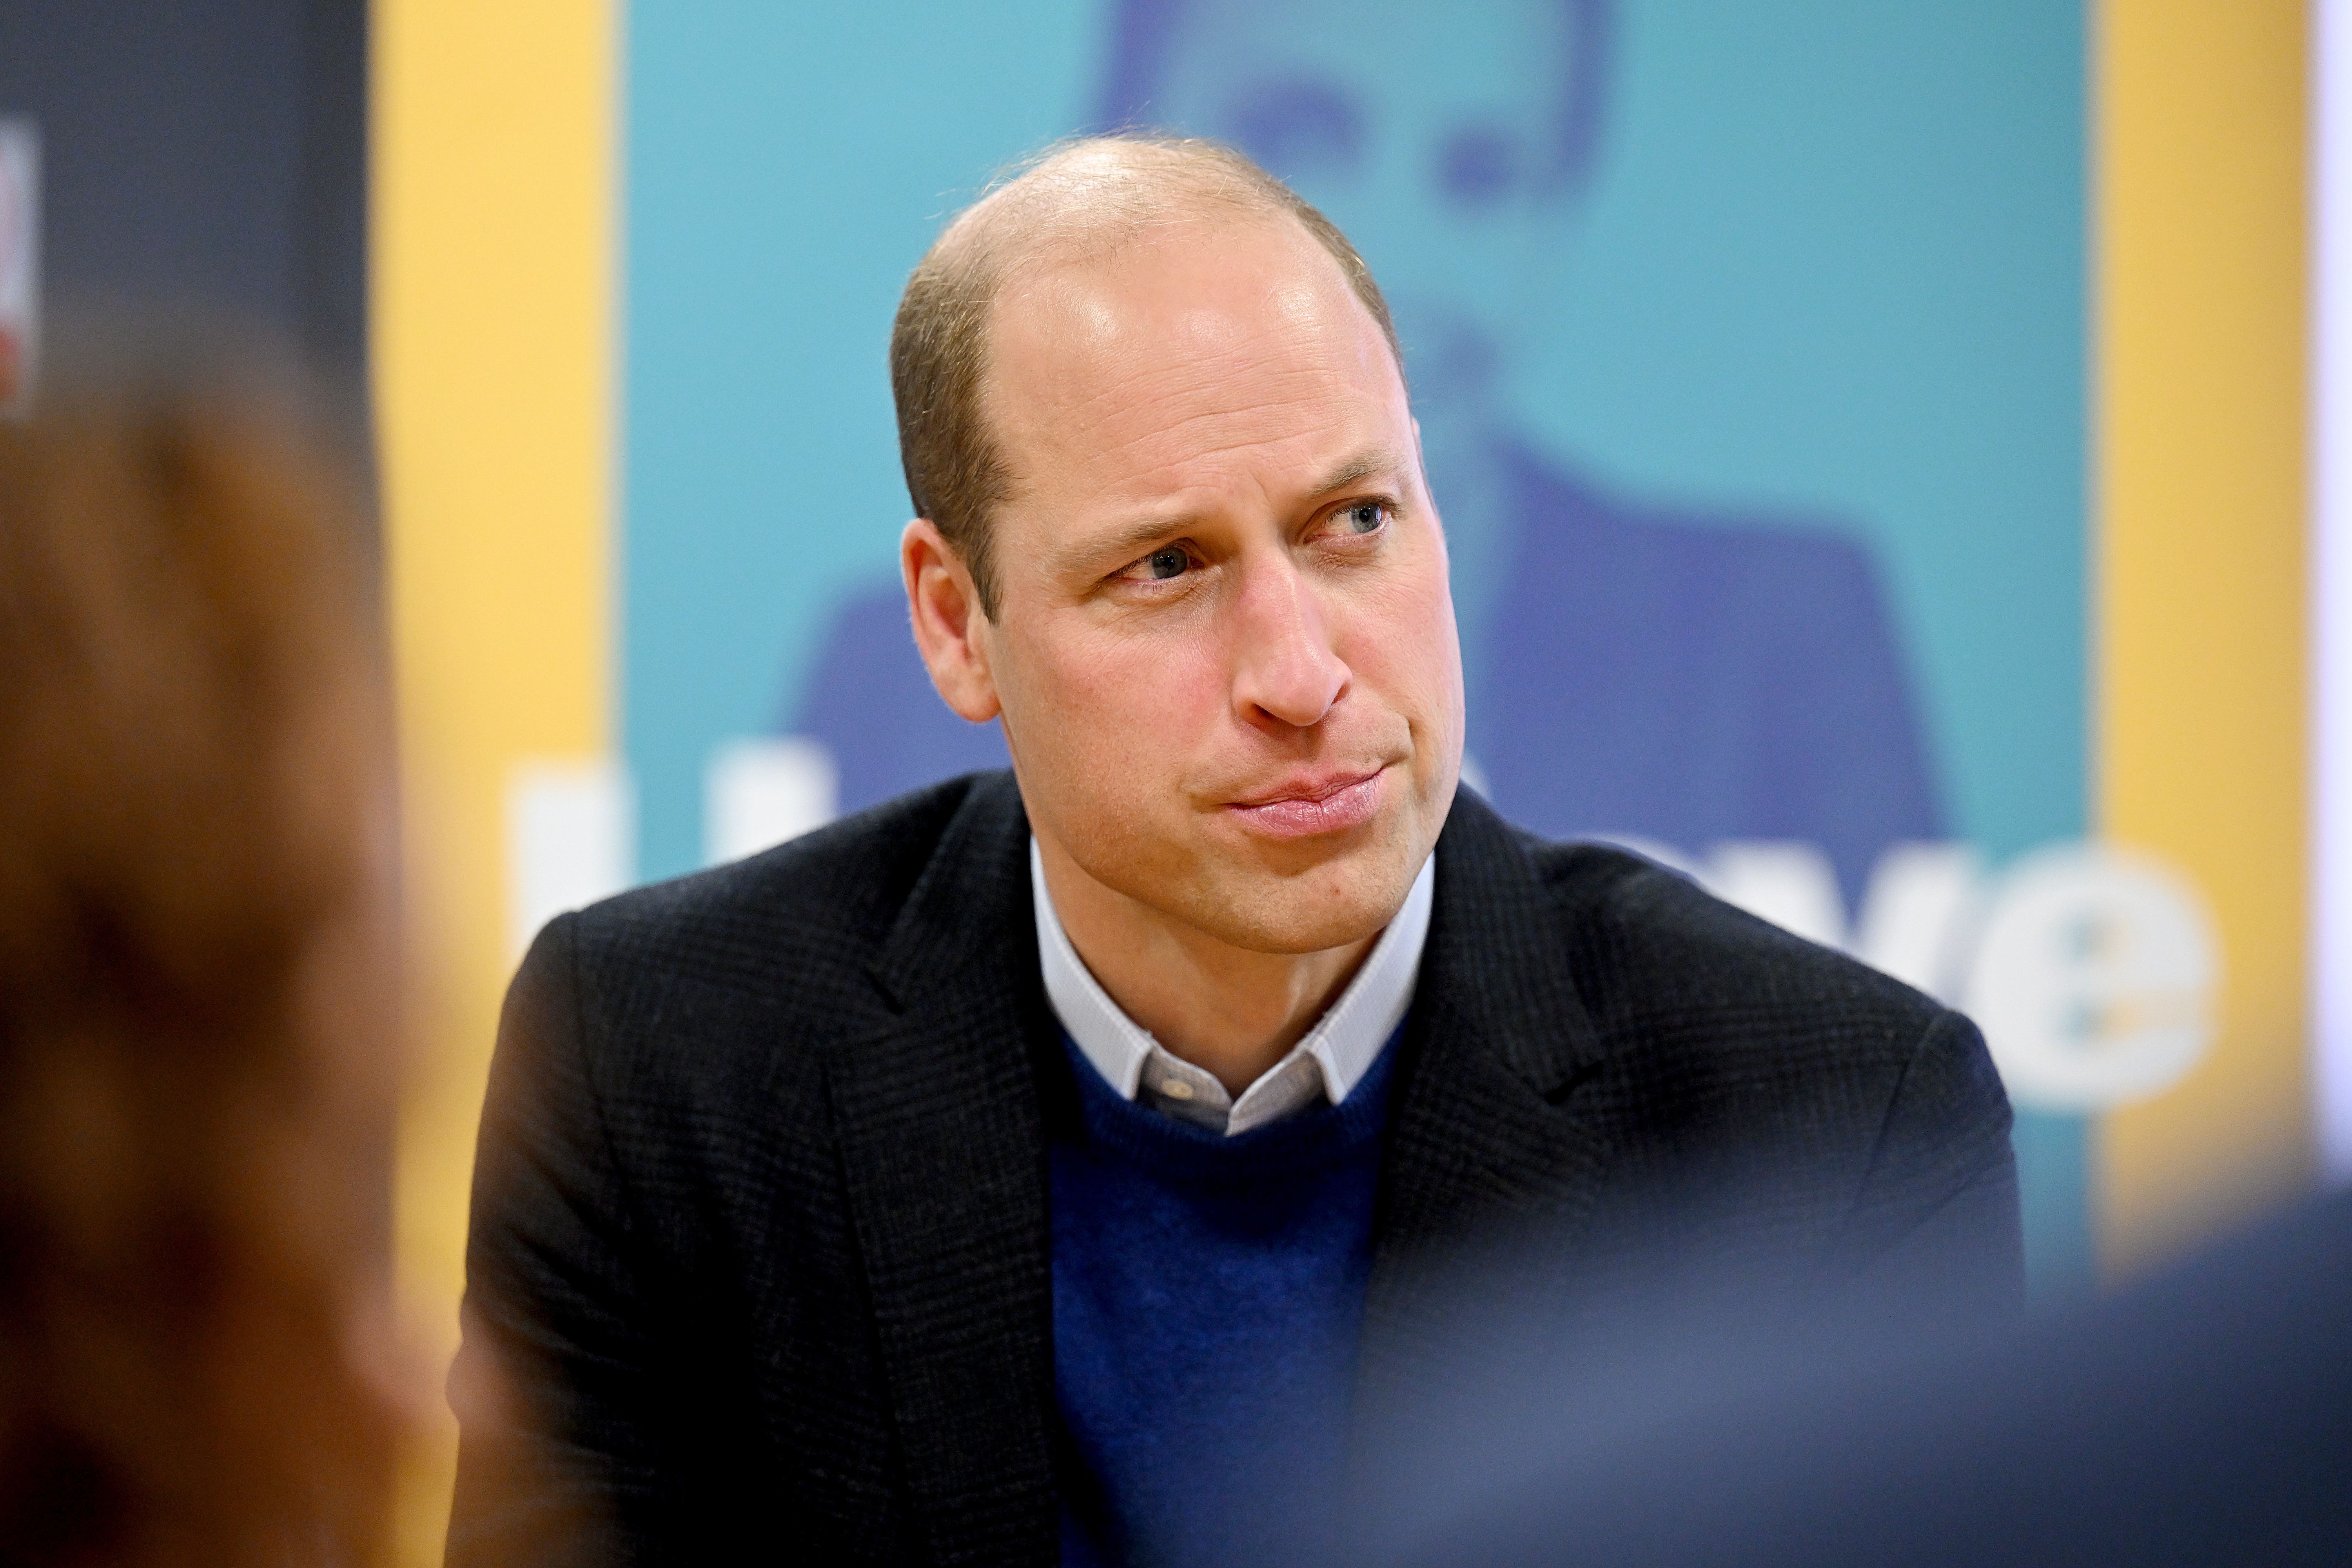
[1176, 1089]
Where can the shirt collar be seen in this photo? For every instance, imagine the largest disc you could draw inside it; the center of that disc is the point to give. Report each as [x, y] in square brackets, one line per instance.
[1343, 1044]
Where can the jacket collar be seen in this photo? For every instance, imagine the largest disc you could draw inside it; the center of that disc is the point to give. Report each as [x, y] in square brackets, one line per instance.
[1490, 1138]
[1497, 965]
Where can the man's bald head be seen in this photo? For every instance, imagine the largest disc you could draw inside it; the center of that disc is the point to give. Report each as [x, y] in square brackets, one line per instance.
[1082, 202]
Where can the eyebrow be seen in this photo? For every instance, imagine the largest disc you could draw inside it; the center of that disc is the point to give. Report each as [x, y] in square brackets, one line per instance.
[1364, 465]
[1371, 462]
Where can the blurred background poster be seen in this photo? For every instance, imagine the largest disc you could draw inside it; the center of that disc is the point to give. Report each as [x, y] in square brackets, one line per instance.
[1748, 349]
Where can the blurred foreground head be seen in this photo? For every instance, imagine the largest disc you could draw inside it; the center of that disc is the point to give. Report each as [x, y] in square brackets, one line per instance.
[196, 980]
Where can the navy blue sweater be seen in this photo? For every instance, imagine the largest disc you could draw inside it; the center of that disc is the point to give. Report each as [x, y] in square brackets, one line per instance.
[1207, 1296]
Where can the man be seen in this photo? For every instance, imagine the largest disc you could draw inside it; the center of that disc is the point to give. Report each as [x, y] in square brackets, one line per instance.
[1046, 1162]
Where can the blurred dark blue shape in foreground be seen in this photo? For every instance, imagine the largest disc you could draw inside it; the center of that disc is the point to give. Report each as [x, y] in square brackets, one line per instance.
[2203, 1416]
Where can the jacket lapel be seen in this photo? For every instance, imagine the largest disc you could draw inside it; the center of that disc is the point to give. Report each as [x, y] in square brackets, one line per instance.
[943, 1146]
[943, 1149]
[1488, 1137]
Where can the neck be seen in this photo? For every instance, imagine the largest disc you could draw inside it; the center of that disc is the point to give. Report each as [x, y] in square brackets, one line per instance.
[1230, 1011]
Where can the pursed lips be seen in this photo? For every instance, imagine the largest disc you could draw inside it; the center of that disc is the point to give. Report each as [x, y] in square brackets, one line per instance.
[1304, 807]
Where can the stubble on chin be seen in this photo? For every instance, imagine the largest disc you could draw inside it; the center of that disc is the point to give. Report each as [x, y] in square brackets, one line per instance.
[1297, 903]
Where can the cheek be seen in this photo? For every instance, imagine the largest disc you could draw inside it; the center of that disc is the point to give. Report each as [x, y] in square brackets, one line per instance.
[1120, 711]
[1402, 642]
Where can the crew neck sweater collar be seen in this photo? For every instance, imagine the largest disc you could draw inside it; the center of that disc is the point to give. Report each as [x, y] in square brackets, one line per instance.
[1327, 1065]
[1184, 1153]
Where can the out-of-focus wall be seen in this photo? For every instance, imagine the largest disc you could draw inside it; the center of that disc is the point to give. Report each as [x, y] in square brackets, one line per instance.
[493, 329]
[203, 152]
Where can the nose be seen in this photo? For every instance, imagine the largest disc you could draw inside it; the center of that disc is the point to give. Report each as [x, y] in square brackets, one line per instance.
[1287, 673]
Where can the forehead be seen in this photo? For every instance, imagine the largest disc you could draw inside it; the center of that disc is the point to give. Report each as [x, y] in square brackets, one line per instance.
[1204, 343]
[1503, 58]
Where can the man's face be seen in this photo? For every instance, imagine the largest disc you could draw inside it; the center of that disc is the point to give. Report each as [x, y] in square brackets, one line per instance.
[1224, 649]
[1429, 134]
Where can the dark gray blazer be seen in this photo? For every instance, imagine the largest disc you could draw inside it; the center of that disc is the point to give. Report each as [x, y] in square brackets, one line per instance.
[759, 1263]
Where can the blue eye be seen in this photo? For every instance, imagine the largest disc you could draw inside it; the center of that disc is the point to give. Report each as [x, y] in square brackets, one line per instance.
[1364, 517]
[1163, 565]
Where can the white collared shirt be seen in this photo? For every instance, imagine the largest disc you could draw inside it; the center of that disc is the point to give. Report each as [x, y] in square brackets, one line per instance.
[1333, 1057]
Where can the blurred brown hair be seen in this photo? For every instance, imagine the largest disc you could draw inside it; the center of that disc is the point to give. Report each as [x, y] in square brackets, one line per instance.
[197, 972]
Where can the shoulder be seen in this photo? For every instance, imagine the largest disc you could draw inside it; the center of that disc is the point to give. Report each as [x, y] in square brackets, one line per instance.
[707, 974]
[829, 894]
[1729, 1049]
[1644, 940]
[1706, 1022]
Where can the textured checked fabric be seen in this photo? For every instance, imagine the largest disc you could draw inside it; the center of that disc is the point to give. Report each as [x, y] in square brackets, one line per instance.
[759, 1267]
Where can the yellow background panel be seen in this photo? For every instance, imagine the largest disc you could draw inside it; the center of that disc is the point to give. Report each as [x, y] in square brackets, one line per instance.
[494, 189]
[2198, 347]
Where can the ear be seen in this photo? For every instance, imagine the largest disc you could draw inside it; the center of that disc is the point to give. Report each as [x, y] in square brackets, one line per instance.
[950, 630]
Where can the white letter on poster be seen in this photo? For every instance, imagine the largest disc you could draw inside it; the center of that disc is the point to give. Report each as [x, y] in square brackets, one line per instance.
[571, 840]
[1917, 915]
[2094, 978]
[759, 793]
